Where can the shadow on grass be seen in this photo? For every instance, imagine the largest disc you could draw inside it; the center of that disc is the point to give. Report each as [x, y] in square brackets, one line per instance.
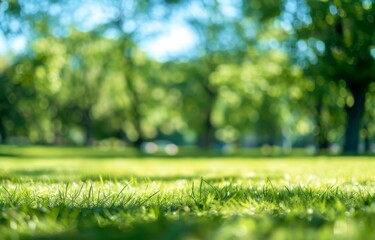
[109, 223]
[25, 176]
[8, 155]
[161, 228]
[30, 152]
[209, 227]
[35, 172]
[68, 176]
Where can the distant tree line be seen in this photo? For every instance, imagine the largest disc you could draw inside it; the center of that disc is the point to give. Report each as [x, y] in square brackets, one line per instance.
[286, 73]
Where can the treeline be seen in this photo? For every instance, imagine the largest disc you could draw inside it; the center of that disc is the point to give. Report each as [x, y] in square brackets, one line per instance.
[286, 73]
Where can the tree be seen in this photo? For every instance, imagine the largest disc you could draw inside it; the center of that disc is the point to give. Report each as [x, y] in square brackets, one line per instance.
[323, 100]
[213, 28]
[258, 97]
[84, 75]
[198, 98]
[17, 98]
[346, 29]
[128, 22]
[6, 100]
[31, 70]
[368, 129]
[48, 59]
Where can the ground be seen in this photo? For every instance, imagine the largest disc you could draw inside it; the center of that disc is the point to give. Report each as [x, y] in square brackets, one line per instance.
[69, 193]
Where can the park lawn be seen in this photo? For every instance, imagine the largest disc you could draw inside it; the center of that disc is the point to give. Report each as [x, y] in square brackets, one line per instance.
[84, 197]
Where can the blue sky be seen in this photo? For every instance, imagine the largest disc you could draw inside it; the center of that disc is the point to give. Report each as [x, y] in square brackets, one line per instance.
[169, 38]
[161, 40]
[173, 38]
[176, 40]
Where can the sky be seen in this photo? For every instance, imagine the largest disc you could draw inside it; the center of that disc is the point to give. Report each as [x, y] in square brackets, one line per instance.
[176, 40]
[173, 38]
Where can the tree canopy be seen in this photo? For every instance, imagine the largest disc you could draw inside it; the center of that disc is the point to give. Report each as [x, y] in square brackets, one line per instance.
[280, 73]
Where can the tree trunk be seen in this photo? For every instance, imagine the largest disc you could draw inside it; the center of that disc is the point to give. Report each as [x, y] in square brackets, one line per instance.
[88, 127]
[135, 108]
[321, 134]
[3, 133]
[56, 124]
[120, 134]
[57, 135]
[354, 118]
[137, 117]
[138, 143]
[137, 123]
[367, 138]
[208, 132]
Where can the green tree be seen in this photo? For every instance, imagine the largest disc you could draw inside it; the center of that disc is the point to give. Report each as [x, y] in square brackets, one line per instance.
[17, 95]
[50, 58]
[346, 29]
[84, 75]
[258, 97]
[368, 129]
[217, 44]
[198, 98]
[127, 23]
[7, 99]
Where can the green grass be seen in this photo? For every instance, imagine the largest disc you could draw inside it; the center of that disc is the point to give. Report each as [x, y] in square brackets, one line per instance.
[45, 195]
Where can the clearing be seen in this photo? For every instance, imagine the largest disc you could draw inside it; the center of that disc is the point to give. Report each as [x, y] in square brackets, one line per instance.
[47, 194]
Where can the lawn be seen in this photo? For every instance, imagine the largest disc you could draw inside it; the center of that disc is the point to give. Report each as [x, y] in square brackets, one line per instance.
[50, 193]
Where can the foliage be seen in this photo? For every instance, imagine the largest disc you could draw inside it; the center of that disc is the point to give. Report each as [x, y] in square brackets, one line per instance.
[343, 37]
[262, 72]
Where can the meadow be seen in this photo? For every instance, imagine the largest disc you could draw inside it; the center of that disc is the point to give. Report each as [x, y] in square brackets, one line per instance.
[81, 193]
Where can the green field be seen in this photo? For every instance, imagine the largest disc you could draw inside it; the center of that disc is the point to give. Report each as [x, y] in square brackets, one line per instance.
[51, 193]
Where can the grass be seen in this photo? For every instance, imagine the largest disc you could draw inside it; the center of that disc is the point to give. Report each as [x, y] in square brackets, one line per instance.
[55, 195]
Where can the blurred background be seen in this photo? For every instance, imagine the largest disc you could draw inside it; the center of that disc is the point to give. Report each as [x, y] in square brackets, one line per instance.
[206, 74]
